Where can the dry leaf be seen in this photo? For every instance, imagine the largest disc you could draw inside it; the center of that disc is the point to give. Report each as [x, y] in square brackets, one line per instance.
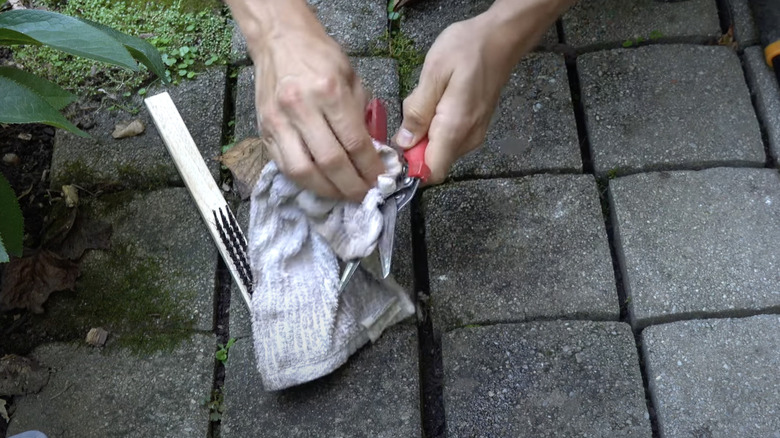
[21, 375]
[3, 412]
[246, 161]
[58, 224]
[128, 128]
[97, 337]
[86, 233]
[28, 281]
[71, 194]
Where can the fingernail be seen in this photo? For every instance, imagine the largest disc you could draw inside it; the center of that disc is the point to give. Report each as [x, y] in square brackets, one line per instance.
[405, 138]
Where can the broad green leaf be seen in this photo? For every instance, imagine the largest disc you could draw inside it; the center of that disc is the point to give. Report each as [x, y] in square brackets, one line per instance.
[11, 220]
[3, 254]
[65, 33]
[20, 104]
[51, 92]
[141, 50]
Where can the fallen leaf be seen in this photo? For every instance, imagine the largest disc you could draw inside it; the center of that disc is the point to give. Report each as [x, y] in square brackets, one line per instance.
[58, 224]
[28, 281]
[245, 161]
[3, 412]
[97, 337]
[71, 194]
[727, 39]
[128, 128]
[21, 375]
[86, 233]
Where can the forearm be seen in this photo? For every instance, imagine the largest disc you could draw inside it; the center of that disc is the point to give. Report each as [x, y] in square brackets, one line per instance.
[263, 20]
[520, 24]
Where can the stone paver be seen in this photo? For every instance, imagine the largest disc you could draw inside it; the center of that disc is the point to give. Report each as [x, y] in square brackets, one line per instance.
[593, 24]
[424, 21]
[546, 379]
[715, 378]
[143, 161]
[668, 107]
[156, 280]
[701, 243]
[533, 129]
[379, 76]
[745, 30]
[375, 394]
[767, 96]
[356, 25]
[113, 392]
[510, 250]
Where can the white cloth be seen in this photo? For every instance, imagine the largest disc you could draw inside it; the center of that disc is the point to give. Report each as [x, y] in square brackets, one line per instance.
[302, 327]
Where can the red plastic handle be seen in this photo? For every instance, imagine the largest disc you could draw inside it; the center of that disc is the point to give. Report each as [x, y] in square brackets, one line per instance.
[415, 159]
[376, 120]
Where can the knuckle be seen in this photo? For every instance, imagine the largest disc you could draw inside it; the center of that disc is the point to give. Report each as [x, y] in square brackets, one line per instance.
[328, 86]
[332, 162]
[355, 145]
[300, 171]
[290, 95]
[270, 119]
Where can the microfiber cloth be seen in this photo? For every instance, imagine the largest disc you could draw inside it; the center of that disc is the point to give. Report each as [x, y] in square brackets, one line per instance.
[302, 327]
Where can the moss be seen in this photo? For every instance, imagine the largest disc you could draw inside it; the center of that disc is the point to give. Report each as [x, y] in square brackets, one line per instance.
[76, 172]
[125, 294]
[111, 202]
[401, 47]
[131, 176]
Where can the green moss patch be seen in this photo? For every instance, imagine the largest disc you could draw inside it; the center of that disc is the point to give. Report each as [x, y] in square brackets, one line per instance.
[401, 47]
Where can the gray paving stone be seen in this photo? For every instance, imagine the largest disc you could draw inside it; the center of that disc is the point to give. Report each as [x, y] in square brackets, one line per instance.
[424, 21]
[142, 161]
[157, 280]
[112, 392]
[594, 24]
[510, 250]
[239, 51]
[745, 30]
[379, 76]
[668, 107]
[549, 379]
[402, 270]
[715, 378]
[375, 394]
[533, 128]
[766, 93]
[700, 243]
[356, 25]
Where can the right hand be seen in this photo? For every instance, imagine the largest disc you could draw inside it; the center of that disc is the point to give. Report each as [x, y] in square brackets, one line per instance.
[311, 106]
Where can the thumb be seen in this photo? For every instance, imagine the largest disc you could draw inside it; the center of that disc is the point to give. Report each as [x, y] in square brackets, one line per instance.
[418, 111]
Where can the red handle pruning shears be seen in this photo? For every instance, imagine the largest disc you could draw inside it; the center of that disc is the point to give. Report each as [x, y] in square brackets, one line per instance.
[415, 171]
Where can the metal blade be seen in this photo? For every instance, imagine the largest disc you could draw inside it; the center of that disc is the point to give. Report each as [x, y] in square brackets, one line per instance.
[387, 238]
[349, 271]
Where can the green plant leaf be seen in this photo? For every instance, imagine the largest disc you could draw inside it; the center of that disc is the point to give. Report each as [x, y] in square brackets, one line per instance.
[51, 92]
[20, 104]
[3, 254]
[141, 50]
[62, 32]
[11, 221]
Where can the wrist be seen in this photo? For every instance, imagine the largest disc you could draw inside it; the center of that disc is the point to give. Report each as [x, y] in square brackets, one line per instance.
[262, 21]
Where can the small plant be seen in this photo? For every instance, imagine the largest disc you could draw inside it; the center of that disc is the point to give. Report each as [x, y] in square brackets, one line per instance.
[222, 353]
[28, 98]
[215, 405]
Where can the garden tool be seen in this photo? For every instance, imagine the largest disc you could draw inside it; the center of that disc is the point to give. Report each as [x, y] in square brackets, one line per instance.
[767, 16]
[414, 172]
[221, 222]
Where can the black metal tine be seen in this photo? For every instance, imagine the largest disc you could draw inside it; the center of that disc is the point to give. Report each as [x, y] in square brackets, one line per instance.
[232, 243]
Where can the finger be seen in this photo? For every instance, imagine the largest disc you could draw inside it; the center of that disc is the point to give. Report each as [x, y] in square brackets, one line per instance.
[294, 160]
[347, 121]
[329, 156]
[440, 153]
[419, 107]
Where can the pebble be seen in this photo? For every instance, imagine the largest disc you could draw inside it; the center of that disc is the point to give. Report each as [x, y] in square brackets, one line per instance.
[11, 159]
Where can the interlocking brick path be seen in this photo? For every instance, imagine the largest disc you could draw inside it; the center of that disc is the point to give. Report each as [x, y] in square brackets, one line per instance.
[606, 265]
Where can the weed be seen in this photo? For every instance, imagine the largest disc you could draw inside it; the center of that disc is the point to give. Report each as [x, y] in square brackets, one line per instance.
[188, 40]
[215, 405]
[401, 47]
[222, 353]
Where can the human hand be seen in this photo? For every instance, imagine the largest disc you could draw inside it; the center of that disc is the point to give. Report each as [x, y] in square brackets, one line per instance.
[462, 78]
[311, 107]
